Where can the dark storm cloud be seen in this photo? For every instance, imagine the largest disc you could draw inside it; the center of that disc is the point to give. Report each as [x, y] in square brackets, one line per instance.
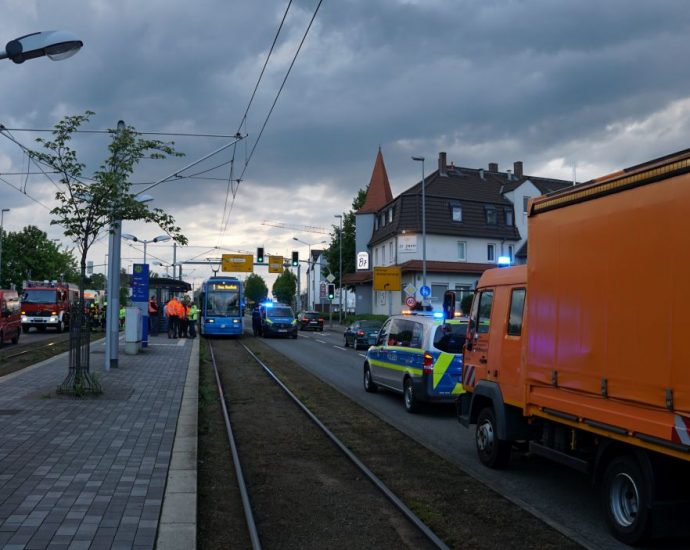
[550, 83]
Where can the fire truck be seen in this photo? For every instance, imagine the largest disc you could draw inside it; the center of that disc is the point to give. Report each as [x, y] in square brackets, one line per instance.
[47, 304]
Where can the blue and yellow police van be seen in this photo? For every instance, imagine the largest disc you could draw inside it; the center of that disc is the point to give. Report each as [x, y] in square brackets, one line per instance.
[418, 354]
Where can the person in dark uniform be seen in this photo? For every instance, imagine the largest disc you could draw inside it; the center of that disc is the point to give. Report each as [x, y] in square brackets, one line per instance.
[256, 321]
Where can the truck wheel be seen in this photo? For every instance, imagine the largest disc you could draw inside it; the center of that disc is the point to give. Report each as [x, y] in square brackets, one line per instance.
[493, 452]
[15, 340]
[409, 397]
[61, 326]
[625, 497]
[2, 340]
[369, 385]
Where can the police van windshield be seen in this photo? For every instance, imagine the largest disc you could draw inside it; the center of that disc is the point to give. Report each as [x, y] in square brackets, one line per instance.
[450, 337]
[39, 297]
[278, 311]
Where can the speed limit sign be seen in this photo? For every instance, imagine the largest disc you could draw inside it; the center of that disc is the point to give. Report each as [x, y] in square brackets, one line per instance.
[410, 301]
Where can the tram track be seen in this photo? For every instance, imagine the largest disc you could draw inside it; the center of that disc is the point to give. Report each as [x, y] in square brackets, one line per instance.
[22, 355]
[303, 491]
[382, 508]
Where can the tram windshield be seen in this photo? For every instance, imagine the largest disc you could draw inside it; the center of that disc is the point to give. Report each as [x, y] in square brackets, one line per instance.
[223, 303]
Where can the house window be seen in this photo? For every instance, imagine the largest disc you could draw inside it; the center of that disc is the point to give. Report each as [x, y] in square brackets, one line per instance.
[390, 215]
[509, 216]
[525, 202]
[490, 215]
[383, 255]
[462, 250]
[456, 211]
[511, 253]
[491, 252]
[376, 256]
[390, 252]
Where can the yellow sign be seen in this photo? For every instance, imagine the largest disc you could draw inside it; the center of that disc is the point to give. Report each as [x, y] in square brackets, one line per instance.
[275, 264]
[386, 278]
[243, 263]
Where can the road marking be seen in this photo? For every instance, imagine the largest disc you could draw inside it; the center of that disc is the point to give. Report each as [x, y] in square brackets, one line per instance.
[362, 355]
[339, 347]
[322, 341]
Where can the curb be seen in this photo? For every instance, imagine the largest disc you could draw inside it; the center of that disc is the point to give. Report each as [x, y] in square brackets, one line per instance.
[177, 526]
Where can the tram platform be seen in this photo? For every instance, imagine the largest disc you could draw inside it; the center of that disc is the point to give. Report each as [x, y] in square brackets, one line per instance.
[111, 471]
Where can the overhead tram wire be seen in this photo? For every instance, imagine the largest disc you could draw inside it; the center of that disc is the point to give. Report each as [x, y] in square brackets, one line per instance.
[171, 134]
[225, 217]
[282, 85]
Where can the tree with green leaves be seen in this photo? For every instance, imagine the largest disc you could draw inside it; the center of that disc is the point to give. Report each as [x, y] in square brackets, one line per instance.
[255, 289]
[30, 254]
[87, 209]
[285, 287]
[332, 253]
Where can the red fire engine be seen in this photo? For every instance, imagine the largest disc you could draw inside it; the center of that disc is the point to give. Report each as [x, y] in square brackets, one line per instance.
[47, 304]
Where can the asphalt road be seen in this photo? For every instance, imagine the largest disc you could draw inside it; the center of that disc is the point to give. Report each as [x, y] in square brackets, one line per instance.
[558, 495]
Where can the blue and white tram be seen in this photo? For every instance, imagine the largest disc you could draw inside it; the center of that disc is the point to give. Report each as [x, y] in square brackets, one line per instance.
[221, 304]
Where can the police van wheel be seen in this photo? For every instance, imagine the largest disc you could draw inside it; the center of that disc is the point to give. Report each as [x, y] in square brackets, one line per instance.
[493, 452]
[369, 385]
[411, 401]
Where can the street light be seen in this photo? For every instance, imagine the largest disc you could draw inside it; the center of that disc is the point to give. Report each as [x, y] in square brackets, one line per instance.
[2, 219]
[340, 268]
[309, 245]
[159, 239]
[421, 159]
[57, 45]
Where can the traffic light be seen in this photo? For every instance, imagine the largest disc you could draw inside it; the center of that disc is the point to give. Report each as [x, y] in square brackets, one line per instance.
[331, 291]
[260, 255]
[295, 258]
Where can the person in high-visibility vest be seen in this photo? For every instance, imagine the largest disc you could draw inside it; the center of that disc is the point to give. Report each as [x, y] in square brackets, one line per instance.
[122, 316]
[172, 310]
[192, 316]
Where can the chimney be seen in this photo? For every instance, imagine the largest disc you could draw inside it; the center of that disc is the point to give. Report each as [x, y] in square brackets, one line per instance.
[493, 167]
[442, 164]
[517, 168]
[509, 175]
[481, 173]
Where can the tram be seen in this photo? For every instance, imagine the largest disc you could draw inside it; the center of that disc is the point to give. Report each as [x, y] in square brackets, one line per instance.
[221, 305]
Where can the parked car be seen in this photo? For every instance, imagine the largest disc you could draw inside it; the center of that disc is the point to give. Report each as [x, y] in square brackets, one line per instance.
[310, 320]
[419, 356]
[278, 320]
[10, 317]
[362, 333]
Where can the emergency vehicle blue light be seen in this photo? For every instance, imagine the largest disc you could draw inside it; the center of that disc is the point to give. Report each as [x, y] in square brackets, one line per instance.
[438, 315]
[503, 260]
[267, 304]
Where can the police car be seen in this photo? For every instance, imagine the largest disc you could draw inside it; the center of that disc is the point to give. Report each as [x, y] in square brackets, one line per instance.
[419, 355]
[278, 320]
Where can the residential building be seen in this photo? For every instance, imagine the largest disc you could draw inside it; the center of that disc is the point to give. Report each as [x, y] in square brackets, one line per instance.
[473, 217]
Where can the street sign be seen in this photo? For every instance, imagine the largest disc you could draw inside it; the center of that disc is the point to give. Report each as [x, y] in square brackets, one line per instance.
[275, 264]
[330, 278]
[322, 290]
[362, 261]
[411, 301]
[386, 278]
[425, 291]
[243, 263]
[410, 290]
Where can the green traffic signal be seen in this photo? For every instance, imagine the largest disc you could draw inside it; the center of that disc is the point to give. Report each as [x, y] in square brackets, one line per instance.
[260, 255]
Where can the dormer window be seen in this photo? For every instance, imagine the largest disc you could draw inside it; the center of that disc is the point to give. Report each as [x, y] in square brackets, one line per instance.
[456, 211]
[490, 215]
[509, 217]
[390, 215]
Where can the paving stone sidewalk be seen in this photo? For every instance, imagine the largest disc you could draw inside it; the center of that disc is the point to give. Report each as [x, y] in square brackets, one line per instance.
[90, 472]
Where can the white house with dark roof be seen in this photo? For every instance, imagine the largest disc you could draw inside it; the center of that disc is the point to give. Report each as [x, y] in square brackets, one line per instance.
[473, 216]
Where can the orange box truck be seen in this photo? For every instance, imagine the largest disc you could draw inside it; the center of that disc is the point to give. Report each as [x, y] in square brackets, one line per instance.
[583, 354]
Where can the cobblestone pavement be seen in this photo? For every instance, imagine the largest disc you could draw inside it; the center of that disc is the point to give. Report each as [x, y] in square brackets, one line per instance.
[90, 472]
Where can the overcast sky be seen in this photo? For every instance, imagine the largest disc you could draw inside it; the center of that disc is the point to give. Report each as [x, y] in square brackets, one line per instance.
[599, 85]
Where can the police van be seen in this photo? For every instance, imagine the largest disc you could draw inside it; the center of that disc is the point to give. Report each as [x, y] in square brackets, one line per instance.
[418, 354]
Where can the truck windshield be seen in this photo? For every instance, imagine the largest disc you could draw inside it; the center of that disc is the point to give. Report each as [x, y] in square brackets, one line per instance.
[223, 304]
[39, 297]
